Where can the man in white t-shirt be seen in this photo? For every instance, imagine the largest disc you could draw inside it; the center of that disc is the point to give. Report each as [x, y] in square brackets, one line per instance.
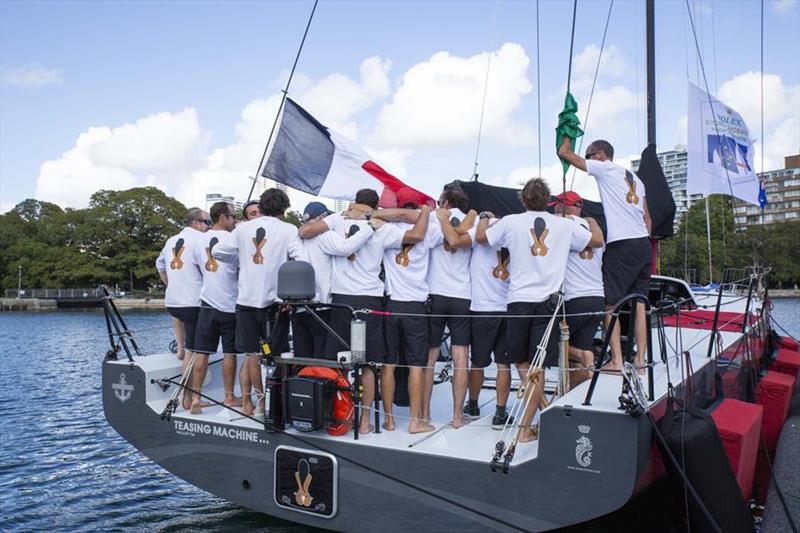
[539, 244]
[450, 293]
[355, 281]
[584, 298]
[260, 246]
[216, 319]
[628, 256]
[309, 336]
[181, 275]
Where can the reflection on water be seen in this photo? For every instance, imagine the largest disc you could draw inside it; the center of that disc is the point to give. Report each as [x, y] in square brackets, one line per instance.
[63, 467]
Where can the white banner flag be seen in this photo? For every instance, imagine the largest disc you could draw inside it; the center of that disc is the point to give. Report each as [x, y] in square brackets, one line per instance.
[720, 151]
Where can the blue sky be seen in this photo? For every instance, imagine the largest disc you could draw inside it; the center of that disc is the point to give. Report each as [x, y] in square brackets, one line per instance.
[207, 75]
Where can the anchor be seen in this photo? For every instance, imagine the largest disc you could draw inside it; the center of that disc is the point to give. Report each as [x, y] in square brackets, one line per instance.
[122, 390]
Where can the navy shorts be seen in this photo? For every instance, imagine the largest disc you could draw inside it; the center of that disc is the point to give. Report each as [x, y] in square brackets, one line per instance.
[488, 337]
[406, 334]
[523, 335]
[213, 325]
[582, 329]
[188, 317]
[626, 268]
[459, 326]
[341, 319]
[254, 325]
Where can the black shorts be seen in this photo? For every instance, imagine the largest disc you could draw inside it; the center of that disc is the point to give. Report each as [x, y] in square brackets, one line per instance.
[187, 316]
[523, 335]
[488, 337]
[308, 335]
[213, 324]
[459, 326]
[406, 334]
[582, 329]
[255, 325]
[340, 322]
[626, 268]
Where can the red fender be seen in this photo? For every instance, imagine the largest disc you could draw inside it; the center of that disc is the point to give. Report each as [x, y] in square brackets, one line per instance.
[342, 400]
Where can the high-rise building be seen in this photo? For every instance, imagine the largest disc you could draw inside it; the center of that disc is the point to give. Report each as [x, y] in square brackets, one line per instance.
[214, 197]
[674, 163]
[783, 197]
[340, 205]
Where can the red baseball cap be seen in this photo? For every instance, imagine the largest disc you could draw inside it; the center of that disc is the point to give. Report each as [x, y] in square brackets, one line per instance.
[570, 198]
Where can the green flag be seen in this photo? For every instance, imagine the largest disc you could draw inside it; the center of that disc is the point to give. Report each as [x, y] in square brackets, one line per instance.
[569, 125]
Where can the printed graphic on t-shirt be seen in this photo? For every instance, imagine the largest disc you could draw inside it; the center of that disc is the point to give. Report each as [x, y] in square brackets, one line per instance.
[402, 257]
[177, 251]
[501, 270]
[631, 197]
[539, 233]
[455, 223]
[211, 262]
[259, 240]
[352, 231]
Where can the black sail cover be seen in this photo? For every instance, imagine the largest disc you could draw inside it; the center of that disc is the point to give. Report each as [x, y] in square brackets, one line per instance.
[504, 201]
[660, 202]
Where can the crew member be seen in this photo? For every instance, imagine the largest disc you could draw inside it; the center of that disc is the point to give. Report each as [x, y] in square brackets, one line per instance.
[406, 269]
[450, 292]
[216, 319]
[181, 275]
[308, 334]
[260, 246]
[538, 243]
[251, 210]
[627, 259]
[583, 290]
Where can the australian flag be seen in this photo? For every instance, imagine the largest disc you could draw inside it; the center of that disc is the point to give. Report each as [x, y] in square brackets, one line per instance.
[762, 192]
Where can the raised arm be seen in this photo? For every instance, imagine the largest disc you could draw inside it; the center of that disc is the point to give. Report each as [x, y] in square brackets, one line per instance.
[417, 233]
[453, 238]
[597, 240]
[565, 152]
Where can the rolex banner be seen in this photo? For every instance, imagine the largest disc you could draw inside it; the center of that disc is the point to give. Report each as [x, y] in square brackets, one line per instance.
[720, 151]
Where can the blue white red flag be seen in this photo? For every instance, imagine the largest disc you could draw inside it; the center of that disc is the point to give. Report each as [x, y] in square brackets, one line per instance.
[720, 151]
[312, 158]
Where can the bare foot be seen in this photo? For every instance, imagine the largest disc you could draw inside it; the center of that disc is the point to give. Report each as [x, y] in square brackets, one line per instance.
[420, 426]
[457, 422]
[197, 408]
[233, 401]
[529, 434]
[187, 401]
[366, 427]
[612, 367]
[388, 424]
[247, 407]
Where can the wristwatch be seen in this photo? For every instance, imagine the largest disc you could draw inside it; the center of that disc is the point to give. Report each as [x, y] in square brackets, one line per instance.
[484, 214]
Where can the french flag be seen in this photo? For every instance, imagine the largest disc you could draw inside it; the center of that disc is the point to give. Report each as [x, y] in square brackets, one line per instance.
[312, 158]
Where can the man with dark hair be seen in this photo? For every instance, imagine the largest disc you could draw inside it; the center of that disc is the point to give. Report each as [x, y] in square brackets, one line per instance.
[450, 292]
[627, 259]
[539, 244]
[583, 290]
[216, 319]
[368, 197]
[260, 246]
[181, 275]
[251, 210]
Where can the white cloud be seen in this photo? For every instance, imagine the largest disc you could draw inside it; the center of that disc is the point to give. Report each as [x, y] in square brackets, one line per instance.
[783, 6]
[32, 76]
[439, 100]
[781, 114]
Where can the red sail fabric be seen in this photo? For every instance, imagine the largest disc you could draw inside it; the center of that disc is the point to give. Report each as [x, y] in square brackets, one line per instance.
[391, 185]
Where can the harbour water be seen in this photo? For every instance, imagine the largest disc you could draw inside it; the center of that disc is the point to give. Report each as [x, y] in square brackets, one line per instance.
[63, 468]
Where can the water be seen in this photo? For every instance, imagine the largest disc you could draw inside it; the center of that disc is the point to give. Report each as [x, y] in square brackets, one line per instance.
[63, 468]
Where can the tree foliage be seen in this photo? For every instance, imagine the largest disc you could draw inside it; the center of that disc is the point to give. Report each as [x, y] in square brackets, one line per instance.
[775, 245]
[115, 240]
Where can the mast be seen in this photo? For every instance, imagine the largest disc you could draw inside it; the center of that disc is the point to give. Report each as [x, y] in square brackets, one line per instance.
[651, 101]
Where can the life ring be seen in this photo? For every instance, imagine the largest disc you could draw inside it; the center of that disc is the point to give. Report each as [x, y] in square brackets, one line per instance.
[342, 400]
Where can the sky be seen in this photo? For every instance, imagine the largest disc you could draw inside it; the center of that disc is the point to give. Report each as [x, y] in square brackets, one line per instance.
[181, 95]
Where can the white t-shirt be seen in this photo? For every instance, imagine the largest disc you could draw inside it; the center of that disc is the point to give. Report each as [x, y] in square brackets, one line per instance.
[184, 279]
[406, 268]
[320, 250]
[487, 269]
[584, 275]
[260, 246]
[623, 197]
[448, 270]
[358, 273]
[539, 244]
[220, 279]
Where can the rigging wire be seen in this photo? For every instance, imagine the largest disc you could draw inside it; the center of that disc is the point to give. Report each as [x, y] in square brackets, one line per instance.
[283, 99]
[594, 83]
[572, 42]
[485, 90]
[538, 91]
[636, 42]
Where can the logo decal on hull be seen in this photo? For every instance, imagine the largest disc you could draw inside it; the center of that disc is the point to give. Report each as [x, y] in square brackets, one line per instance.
[122, 390]
[583, 450]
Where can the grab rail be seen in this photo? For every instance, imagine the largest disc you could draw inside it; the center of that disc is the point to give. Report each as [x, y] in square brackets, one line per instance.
[630, 300]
